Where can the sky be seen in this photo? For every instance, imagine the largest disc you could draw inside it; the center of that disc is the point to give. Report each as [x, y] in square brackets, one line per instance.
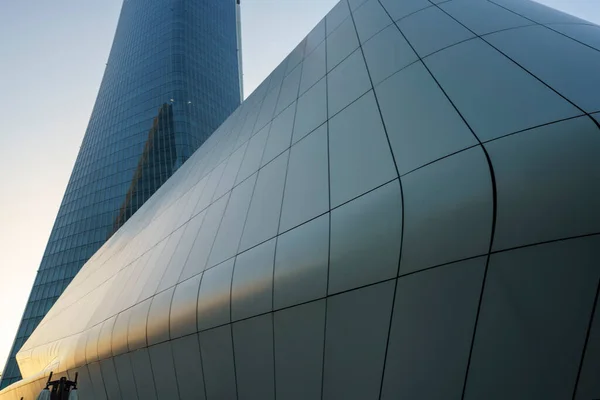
[52, 57]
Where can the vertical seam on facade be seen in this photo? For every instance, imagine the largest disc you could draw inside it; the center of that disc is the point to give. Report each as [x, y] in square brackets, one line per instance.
[494, 214]
[237, 248]
[494, 199]
[214, 239]
[391, 318]
[132, 374]
[197, 333]
[272, 311]
[262, 157]
[87, 366]
[187, 258]
[587, 338]
[277, 235]
[170, 344]
[112, 360]
[102, 377]
[230, 326]
[485, 272]
[151, 369]
[326, 77]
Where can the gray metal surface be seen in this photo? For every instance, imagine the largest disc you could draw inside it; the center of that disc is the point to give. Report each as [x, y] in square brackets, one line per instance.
[436, 236]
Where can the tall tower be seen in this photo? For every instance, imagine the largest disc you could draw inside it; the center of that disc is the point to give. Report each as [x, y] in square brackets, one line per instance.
[171, 79]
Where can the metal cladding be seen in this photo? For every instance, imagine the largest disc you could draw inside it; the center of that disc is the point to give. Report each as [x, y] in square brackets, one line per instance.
[407, 207]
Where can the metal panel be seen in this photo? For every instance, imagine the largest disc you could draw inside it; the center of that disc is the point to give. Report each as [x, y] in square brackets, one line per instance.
[417, 135]
[214, 297]
[355, 341]
[431, 333]
[431, 30]
[370, 18]
[219, 370]
[252, 284]
[365, 239]
[539, 198]
[163, 371]
[299, 342]
[182, 318]
[448, 211]
[359, 155]
[262, 221]
[307, 186]
[468, 73]
[301, 264]
[188, 367]
[253, 347]
[542, 298]
[347, 82]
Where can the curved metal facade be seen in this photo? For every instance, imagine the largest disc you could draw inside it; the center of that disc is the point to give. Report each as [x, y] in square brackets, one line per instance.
[171, 79]
[405, 208]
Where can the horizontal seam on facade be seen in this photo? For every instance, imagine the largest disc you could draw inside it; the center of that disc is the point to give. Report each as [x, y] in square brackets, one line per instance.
[366, 285]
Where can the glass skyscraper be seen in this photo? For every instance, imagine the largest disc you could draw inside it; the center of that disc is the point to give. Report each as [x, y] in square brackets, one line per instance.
[172, 77]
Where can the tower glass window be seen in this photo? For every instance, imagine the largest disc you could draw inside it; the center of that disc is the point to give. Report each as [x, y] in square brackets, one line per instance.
[171, 79]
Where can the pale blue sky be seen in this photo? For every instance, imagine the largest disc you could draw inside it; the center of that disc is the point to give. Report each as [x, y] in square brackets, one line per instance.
[52, 56]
